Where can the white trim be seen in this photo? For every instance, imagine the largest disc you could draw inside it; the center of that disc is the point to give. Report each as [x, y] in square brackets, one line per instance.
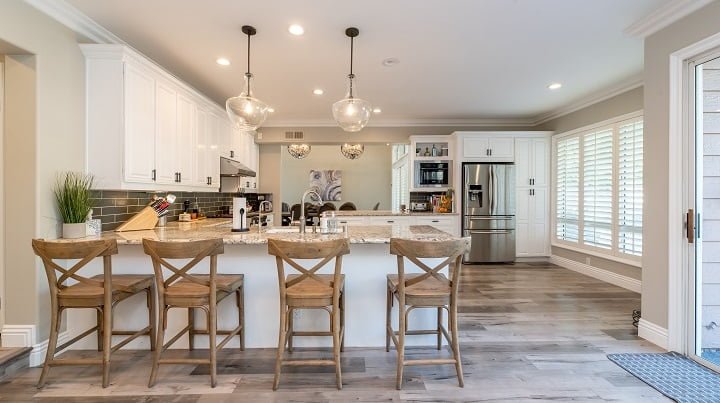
[489, 122]
[592, 252]
[24, 336]
[607, 276]
[664, 16]
[74, 19]
[607, 122]
[677, 203]
[592, 99]
[653, 333]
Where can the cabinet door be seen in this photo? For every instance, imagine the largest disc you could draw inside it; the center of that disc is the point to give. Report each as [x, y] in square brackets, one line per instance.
[352, 221]
[201, 174]
[523, 201]
[540, 162]
[139, 126]
[539, 225]
[225, 140]
[214, 138]
[166, 134]
[501, 148]
[523, 162]
[476, 147]
[186, 139]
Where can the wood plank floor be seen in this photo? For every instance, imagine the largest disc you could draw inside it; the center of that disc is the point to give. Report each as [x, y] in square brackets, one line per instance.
[529, 332]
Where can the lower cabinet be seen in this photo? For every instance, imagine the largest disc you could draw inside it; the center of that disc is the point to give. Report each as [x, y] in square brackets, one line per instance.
[446, 223]
[532, 222]
[449, 224]
[354, 220]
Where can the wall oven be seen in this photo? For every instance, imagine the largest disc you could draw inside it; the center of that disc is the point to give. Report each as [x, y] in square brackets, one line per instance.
[433, 174]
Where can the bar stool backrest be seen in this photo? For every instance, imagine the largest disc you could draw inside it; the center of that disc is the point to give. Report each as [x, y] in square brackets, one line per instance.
[289, 251]
[85, 251]
[412, 250]
[162, 251]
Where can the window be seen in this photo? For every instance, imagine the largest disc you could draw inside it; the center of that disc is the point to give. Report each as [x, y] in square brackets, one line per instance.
[598, 188]
[400, 179]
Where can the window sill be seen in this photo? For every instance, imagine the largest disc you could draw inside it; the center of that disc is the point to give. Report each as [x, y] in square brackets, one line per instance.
[593, 252]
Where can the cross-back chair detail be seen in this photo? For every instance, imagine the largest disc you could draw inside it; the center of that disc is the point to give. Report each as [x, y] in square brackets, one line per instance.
[310, 290]
[429, 289]
[100, 292]
[183, 289]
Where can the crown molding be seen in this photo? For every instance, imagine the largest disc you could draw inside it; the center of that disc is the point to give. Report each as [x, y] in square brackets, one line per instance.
[664, 16]
[72, 18]
[490, 122]
[627, 85]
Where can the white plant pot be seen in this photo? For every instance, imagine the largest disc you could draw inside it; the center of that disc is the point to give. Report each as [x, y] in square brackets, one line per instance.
[74, 230]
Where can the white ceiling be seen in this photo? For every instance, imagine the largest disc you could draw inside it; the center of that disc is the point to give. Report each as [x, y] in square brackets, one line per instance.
[460, 60]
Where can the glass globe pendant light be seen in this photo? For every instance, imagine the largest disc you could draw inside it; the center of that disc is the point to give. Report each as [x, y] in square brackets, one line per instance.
[351, 113]
[245, 111]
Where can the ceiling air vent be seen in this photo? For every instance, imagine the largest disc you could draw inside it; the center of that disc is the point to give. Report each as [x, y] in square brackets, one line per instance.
[294, 135]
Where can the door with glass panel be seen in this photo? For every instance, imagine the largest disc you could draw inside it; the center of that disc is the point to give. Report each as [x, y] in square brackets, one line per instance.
[703, 217]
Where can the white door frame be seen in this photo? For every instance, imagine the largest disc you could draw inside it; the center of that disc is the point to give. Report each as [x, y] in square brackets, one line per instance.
[2, 192]
[680, 136]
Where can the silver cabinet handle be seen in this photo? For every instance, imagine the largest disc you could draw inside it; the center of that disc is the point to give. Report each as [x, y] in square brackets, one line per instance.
[435, 221]
[154, 174]
[232, 154]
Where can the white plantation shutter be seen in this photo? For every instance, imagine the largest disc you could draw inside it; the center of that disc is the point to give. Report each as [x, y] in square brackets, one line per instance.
[400, 183]
[630, 187]
[567, 181]
[597, 188]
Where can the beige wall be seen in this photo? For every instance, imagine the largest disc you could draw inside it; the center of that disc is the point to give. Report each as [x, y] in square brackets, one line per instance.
[627, 102]
[270, 175]
[658, 48]
[365, 181]
[49, 139]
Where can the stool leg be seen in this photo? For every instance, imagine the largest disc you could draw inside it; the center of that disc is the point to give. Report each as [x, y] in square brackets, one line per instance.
[107, 339]
[99, 321]
[401, 345]
[191, 325]
[152, 316]
[212, 320]
[52, 343]
[160, 341]
[282, 339]
[439, 327]
[342, 321]
[388, 316]
[456, 345]
[336, 346]
[291, 314]
[240, 294]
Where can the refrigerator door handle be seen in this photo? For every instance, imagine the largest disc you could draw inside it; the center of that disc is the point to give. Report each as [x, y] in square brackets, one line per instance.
[495, 217]
[490, 232]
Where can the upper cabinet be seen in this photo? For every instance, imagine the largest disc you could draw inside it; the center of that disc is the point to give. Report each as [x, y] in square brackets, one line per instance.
[149, 131]
[532, 159]
[491, 147]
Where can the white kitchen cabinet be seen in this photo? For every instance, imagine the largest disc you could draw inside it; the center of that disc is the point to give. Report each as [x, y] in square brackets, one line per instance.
[403, 221]
[186, 150]
[166, 143]
[353, 220]
[139, 120]
[488, 148]
[532, 213]
[446, 223]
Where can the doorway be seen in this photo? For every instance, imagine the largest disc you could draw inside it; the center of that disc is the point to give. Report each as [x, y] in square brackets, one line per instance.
[703, 218]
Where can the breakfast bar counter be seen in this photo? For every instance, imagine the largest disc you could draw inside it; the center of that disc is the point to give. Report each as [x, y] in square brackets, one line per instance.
[365, 269]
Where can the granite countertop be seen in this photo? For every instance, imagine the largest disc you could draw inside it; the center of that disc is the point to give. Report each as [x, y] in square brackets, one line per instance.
[220, 228]
[384, 213]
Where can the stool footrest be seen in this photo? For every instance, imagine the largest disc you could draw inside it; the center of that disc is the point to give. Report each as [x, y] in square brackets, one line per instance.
[307, 362]
[436, 361]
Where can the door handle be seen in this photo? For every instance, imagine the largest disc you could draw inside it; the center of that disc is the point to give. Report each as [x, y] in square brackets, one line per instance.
[490, 218]
[691, 226]
[489, 232]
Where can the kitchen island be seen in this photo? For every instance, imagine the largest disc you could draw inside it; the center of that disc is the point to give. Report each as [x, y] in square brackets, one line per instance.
[365, 269]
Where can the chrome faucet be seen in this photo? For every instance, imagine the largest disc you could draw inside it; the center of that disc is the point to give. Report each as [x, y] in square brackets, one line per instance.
[260, 214]
[302, 207]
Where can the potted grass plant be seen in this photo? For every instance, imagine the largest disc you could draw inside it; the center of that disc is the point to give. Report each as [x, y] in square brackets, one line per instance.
[72, 194]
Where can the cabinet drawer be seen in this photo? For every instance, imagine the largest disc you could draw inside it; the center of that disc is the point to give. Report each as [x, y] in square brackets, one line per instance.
[351, 221]
[389, 220]
[435, 221]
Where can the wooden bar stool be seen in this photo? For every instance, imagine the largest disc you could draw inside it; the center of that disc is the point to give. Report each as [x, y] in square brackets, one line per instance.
[309, 290]
[431, 289]
[101, 292]
[184, 290]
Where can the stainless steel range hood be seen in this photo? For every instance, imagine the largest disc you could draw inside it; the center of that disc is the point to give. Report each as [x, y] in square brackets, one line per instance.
[233, 169]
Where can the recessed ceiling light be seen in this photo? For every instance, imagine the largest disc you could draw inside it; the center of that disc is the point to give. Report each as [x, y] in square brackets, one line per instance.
[390, 61]
[318, 91]
[223, 61]
[377, 110]
[296, 29]
[555, 86]
[271, 110]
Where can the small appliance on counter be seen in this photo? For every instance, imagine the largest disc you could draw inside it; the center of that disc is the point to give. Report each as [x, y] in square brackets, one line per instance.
[240, 215]
[419, 206]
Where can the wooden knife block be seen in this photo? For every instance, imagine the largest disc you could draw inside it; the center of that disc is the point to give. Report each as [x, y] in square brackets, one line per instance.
[145, 219]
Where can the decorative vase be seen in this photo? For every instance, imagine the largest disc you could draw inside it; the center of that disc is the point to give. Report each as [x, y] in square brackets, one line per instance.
[78, 230]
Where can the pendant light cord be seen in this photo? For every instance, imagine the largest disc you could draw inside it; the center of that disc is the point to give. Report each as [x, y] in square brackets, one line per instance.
[351, 76]
[248, 74]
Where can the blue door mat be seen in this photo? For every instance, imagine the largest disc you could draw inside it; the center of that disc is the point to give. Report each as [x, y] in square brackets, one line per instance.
[673, 375]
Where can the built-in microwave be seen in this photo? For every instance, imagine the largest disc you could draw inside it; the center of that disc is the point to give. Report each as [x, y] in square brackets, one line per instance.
[433, 174]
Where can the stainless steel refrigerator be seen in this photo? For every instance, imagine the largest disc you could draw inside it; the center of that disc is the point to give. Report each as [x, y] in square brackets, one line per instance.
[488, 208]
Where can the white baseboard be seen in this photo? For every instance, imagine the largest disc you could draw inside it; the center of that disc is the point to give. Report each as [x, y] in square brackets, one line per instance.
[24, 336]
[653, 333]
[619, 280]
